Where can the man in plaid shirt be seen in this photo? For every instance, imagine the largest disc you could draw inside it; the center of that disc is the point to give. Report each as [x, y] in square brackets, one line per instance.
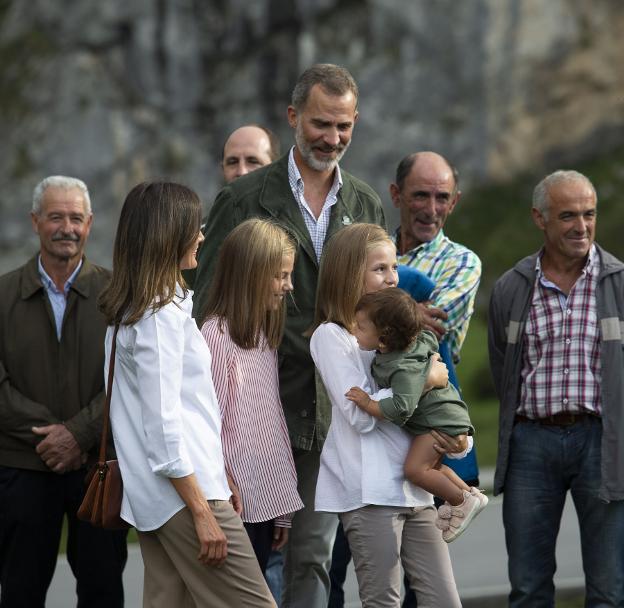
[555, 340]
[426, 193]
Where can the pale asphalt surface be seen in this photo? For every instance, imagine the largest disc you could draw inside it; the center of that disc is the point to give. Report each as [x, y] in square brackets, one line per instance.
[479, 563]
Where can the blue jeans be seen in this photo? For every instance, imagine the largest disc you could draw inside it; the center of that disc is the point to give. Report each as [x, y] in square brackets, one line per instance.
[545, 462]
[273, 574]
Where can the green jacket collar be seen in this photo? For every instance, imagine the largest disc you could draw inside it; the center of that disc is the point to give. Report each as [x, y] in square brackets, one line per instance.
[277, 199]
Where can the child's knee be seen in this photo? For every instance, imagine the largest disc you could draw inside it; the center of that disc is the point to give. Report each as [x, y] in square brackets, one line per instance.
[413, 472]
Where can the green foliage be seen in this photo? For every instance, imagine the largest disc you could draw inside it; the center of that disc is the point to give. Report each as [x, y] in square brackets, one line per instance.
[474, 377]
[495, 220]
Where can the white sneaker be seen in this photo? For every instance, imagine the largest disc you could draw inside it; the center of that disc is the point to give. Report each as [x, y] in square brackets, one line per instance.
[453, 520]
[481, 496]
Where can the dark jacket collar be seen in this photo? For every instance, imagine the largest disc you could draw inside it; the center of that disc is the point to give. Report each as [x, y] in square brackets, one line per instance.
[277, 199]
[31, 281]
[608, 264]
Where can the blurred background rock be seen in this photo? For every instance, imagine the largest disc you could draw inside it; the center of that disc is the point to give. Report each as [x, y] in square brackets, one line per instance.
[120, 91]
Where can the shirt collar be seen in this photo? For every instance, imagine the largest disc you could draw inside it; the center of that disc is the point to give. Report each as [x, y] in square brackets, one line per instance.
[295, 176]
[184, 302]
[426, 246]
[591, 265]
[48, 283]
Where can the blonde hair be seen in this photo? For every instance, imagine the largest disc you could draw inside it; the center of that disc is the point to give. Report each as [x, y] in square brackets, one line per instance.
[250, 257]
[342, 272]
[159, 223]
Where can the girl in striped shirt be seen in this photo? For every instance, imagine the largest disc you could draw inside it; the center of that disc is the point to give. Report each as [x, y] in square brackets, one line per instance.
[243, 324]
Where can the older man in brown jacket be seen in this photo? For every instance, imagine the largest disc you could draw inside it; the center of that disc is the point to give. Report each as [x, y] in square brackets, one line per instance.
[51, 398]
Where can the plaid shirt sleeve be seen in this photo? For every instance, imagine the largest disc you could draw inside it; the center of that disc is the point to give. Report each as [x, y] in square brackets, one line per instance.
[455, 291]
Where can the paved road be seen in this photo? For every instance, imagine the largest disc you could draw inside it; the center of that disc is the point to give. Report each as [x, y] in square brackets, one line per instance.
[479, 562]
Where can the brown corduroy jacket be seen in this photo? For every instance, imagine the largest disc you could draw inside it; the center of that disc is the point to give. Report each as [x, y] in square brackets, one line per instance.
[44, 381]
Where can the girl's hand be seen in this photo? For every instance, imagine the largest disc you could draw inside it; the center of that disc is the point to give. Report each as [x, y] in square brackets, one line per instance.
[212, 540]
[235, 499]
[280, 538]
[358, 396]
[438, 374]
[446, 444]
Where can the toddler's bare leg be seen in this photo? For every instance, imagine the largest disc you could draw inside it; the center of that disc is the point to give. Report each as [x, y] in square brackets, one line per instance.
[422, 468]
[454, 477]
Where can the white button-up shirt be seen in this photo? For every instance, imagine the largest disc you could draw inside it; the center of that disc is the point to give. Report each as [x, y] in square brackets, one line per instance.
[164, 414]
[362, 459]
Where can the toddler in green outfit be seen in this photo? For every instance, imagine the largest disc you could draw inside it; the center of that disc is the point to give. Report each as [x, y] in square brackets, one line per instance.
[423, 400]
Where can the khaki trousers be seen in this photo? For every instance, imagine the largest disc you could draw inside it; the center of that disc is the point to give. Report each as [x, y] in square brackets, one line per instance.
[383, 538]
[174, 577]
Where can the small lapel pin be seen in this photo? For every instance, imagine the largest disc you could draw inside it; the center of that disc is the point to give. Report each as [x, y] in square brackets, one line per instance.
[346, 220]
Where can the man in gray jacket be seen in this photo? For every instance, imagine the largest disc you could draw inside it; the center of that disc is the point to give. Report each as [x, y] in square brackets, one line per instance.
[556, 328]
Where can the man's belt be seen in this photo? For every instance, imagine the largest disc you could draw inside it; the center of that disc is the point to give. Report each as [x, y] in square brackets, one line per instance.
[560, 419]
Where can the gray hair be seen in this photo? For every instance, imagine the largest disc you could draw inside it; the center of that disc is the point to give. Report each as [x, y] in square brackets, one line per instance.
[334, 79]
[59, 181]
[540, 194]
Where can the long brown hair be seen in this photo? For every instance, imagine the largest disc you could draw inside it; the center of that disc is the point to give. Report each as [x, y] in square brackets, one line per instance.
[250, 257]
[159, 223]
[341, 276]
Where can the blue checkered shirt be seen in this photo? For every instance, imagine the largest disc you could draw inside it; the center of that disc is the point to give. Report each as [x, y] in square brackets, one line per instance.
[456, 271]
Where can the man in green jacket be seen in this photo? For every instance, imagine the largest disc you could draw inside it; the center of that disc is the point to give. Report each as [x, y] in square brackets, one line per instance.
[306, 193]
[51, 399]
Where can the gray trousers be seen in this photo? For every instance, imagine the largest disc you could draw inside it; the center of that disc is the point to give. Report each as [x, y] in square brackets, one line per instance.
[384, 538]
[174, 577]
[307, 555]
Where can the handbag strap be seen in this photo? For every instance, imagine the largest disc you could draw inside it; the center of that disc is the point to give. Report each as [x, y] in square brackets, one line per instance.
[109, 390]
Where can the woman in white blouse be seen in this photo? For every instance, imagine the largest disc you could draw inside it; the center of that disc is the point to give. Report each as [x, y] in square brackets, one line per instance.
[165, 416]
[388, 521]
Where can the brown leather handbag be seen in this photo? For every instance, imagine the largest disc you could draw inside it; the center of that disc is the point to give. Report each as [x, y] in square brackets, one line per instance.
[101, 505]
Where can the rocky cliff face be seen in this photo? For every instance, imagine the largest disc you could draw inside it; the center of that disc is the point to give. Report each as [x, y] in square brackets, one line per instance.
[121, 91]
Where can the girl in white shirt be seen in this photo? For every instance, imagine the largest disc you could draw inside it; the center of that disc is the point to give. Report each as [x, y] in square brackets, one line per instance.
[387, 520]
[244, 322]
[165, 416]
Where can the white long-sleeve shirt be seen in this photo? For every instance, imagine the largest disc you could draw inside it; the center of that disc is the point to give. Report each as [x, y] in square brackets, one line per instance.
[362, 459]
[164, 414]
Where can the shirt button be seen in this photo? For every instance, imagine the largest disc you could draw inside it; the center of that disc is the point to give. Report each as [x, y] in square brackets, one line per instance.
[565, 402]
[304, 413]
[568, 340]
[568, 312]
[566, 370]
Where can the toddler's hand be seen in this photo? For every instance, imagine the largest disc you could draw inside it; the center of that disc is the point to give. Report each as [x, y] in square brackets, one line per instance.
[438, 374]
[358, 396]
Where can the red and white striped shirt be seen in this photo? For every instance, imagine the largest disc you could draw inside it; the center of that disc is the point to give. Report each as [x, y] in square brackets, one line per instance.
[561, 360]
[256, 446]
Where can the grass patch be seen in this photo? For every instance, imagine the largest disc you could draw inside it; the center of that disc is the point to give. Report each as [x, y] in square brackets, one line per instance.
[478, 391]
[484, 417]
